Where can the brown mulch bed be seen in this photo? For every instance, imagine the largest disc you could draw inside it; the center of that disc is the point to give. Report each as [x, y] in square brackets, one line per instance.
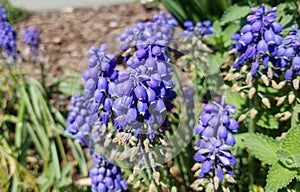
[67, 35]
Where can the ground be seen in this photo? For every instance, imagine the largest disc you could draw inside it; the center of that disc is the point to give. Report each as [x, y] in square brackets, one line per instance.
[67, 35]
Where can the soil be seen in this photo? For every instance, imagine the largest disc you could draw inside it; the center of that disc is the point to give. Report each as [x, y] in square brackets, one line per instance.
[67, 35]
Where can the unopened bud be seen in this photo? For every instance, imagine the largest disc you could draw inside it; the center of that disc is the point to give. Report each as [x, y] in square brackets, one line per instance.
[296, 84]
[209, 187]
[270, 73]
[196, 166]
[242, 118]
[244, 69]
[279, 85]
[235, 88]
[237, 76]
[243, 94]
[266, 102]
[265, 80]
[253, 113]
[286, 116]
[291, 98]
[156, 177]
[278, 115]
[216, 182]
[136, 184]
[146, 145]
[280, 100]
[249, 78]
[251, 92]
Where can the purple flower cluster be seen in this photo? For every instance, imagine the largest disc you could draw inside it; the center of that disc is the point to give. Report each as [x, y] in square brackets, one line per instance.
[3, 15]
[94, 108]
[144, 93]
[290, 52]
[8, 35]
[259, 40]
[201, 28]
[105, 176]
[158, 32]
[81, 120]
[32, 38]
[216, 129]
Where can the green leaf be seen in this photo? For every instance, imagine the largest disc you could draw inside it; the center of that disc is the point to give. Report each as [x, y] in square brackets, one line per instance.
[233, 13]
[295, 114]
[217, 28]
[262, 147]
[279, 177]
[288, 159]
[291, 142]
[267, 121]
[228, 31]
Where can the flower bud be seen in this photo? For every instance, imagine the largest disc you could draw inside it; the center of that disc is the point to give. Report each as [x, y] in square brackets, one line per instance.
[296, 84]
[242, 118]
[254, 68]
[253, 113]
[280, 100]
[262, 46]
[256, 26]
[249, 78]
[269, 37]
[277, 27]
[140, 92]
[296, 62]
[251, 92]
[265, 80]
[266, 102]
[286, 116]
[288, 74]
[246, 39]
[270, 73]
[291, 97]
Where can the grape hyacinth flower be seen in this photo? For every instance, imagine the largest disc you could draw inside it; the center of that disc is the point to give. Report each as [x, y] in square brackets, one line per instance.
[144, 92]
[201, 28]
[8, 39]
[291, 53]
[216, 129]
[32, 39]
[106, 176]
[3, 14]
[82, 118]
[91, 112]
[259, 40]
[159, 32]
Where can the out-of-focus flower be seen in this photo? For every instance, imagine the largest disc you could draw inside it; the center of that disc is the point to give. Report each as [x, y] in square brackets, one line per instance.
[106, 176]
[31, 38]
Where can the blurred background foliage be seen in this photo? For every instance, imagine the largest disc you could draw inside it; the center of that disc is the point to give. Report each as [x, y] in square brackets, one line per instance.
[15, 14]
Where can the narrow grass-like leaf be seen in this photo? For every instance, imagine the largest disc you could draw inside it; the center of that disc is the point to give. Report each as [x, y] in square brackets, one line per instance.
[55, 160]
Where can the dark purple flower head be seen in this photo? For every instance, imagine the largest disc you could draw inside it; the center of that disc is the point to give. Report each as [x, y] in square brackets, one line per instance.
[144, 92]
[259, 39]
[8, 39]
[160, 31]
[216, 129]
[3, 15]
[201, 28]
[106, 176]
[32, 39]
[214, 156]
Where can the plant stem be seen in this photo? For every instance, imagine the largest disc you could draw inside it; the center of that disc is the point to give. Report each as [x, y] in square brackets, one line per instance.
[251, 129]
